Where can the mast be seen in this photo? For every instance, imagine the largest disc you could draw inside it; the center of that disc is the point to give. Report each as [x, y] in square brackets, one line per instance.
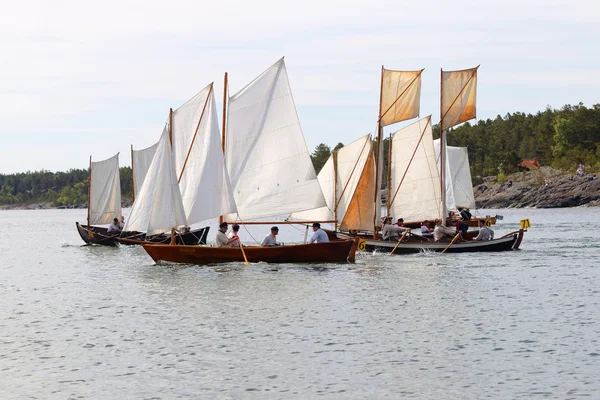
[377, 157]
[171, 126]
[389, 177]
[442, 148]
[335, 201]
[224, 124]
[195, 133]
[89, 189]
[132, 178]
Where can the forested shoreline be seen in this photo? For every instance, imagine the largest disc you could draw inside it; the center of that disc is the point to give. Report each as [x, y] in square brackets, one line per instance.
[561, 138]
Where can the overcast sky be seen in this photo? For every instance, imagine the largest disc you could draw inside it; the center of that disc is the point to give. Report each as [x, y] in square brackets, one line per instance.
[81, 78]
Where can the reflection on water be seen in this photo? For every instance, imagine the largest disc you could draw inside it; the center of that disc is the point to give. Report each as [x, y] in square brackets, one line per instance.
[99, 322]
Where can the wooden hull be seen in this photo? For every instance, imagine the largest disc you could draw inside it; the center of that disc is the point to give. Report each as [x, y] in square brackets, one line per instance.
[506, 243]
[99, 235]
[338, 251]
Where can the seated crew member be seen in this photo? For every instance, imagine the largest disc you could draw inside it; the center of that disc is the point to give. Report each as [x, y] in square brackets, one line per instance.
[115, 227]
[465, 214]
[440, 231]
[461, 226]
[389, 230]
[234, 235]
[221, 240]
[485, 233]
[426, 230]
[319, 236]
[271, 238]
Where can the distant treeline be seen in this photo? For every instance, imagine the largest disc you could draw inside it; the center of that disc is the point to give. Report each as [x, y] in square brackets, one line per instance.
[559, 138]
[57, 188]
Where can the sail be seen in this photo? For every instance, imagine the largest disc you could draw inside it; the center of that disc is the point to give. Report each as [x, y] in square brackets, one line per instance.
[354, 170]
[105, 191]
[326, 179]
[400, 95]
[158, 206]
[459, 90]
[356, 177]
[415, 185]
[459, 186]
[203, 180]
[267, 159]
[140, 162]
[448, 174]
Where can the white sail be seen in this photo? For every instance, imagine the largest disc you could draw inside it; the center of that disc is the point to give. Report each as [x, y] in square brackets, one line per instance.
[203, 180]
[105, 191]
[459, 186]
[450, 202]
[267, 158]
[354, 170]
[140, 163]
[158, 206]
[326, 179]
[415, 185]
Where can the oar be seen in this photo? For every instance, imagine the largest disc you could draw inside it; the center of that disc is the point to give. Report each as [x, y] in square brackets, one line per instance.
[399, 240]
[243, 252]
[452, 242]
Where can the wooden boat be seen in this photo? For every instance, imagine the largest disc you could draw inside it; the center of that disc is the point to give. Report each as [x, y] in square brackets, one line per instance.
[99, 235]
[419, 244]
[337, 251]
[424, 180]
[104, 201]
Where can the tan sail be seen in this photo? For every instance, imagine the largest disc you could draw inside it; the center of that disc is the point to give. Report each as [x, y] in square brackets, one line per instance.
[459, 90]
[359, 214]
[400, 96]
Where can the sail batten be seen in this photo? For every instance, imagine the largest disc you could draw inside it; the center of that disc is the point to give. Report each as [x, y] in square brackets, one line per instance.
[458, 97]
[266, 155]
[105, 191]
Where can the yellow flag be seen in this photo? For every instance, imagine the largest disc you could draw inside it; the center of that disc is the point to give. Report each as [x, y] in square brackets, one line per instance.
[459, 91]
[400, 96]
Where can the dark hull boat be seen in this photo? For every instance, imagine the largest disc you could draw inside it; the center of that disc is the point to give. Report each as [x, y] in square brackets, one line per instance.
[338, 251]
[100, 235]
[419, 244]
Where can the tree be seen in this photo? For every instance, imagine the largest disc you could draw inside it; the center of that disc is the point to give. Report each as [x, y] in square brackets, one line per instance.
[319, 156]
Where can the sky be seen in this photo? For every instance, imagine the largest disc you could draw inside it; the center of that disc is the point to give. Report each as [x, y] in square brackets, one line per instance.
[82, 78]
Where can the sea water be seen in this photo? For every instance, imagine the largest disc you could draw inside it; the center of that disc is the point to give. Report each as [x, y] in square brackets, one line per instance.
[108, 323]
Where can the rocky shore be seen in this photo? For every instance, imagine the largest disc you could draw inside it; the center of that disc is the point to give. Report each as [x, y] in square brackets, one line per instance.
[542, 188]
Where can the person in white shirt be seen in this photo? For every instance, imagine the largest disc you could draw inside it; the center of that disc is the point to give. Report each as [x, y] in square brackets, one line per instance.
[319, 236]
[221, 240]
[122, 222]
[485, 233]
[426, 231]
[115, 227]
[271, 238]
[234, 235]
[441, 230]
[390, 230]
